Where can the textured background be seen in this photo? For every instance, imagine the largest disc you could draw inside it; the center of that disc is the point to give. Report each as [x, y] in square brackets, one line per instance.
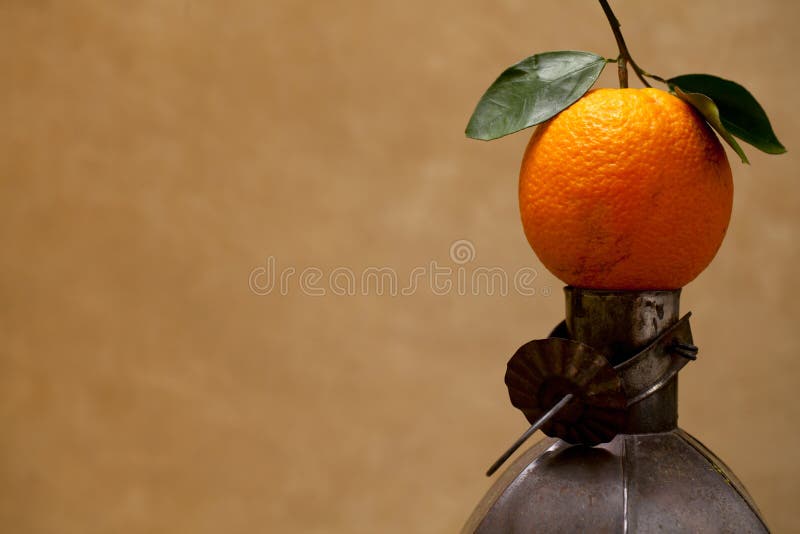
[153, 154]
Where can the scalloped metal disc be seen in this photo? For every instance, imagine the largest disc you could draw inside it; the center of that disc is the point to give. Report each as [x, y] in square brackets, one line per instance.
[542, 371]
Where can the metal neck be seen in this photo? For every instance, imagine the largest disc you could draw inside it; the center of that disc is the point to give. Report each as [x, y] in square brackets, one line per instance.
[619, 324]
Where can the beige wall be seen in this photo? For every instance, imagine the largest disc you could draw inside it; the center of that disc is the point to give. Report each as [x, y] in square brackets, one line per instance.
[154, 153]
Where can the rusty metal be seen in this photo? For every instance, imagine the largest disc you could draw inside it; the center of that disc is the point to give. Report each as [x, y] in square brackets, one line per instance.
[542, 372]
[657, 364]
[653, 476]
[662, 482]
[528, 433]
[687, 350]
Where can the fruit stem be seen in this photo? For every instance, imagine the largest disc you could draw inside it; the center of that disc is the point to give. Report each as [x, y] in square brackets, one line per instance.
[624, 54]
[622, 71]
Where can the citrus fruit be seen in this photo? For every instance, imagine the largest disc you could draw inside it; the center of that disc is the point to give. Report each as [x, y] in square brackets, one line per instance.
[625, 189]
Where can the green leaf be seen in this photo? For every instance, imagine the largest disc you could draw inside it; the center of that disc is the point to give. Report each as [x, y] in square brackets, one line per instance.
[532, 91]
[739, 111]
[708, 109]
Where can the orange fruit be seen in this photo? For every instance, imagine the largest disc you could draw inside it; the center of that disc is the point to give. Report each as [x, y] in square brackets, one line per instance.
[625, 189]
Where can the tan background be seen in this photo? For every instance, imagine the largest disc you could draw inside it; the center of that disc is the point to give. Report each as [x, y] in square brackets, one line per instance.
[155, 153]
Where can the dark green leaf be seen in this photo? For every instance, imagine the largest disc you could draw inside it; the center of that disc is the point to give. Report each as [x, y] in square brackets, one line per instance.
[739, 112]
[709, 110]
[532, 91]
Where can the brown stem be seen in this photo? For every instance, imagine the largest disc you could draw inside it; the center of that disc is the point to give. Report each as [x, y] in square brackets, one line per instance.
[622, 71]
[624, 55]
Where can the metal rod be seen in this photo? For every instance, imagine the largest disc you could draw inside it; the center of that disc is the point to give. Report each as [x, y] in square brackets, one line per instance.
[687, 350]
[533, 428]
